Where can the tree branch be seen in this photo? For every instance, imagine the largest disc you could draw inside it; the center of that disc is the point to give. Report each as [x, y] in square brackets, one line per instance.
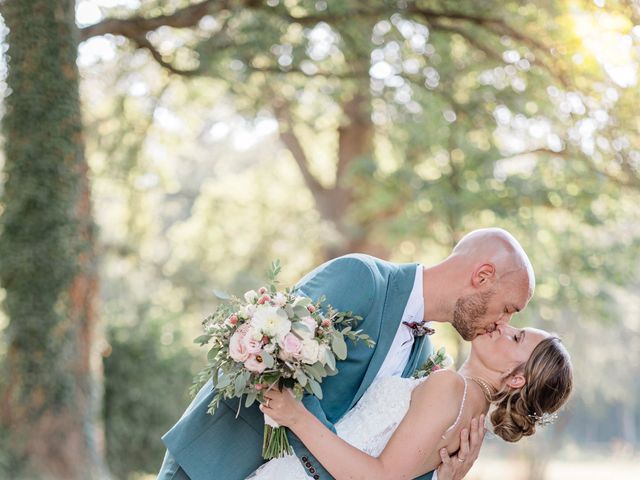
[135, 26]
[468, 37]
[143, 42]
[290, 140]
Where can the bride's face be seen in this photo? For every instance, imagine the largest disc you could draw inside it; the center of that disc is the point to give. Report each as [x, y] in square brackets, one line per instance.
[507, 347]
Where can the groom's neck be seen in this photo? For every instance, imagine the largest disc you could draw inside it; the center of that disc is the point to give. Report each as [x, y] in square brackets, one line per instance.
[440, 284]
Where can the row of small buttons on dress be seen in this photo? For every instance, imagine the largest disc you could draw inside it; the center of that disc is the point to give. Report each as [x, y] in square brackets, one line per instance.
[312, 470]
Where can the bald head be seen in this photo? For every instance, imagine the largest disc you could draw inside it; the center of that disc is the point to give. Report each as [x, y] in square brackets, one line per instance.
[485, 281]
[501, 249]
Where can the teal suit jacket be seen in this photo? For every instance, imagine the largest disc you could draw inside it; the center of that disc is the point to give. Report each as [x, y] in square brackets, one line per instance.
[220, 446]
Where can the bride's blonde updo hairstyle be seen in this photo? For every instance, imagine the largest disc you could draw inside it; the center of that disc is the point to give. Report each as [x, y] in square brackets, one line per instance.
[548, 382]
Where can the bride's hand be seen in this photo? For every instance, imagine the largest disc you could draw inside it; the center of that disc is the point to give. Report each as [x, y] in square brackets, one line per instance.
[282, 406]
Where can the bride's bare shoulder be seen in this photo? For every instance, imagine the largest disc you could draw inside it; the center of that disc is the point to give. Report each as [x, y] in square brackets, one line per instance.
[441, 388]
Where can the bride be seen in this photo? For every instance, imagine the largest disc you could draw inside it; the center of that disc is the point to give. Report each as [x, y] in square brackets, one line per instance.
[403, 428]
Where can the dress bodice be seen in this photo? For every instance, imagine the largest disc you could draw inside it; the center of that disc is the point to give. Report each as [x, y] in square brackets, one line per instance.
[368, 426]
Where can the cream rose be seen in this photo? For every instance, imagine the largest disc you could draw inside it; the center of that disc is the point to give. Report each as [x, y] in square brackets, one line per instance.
[310, 351]
[251, 296]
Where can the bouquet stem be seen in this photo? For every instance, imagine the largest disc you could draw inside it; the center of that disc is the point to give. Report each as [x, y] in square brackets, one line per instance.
[275, 443]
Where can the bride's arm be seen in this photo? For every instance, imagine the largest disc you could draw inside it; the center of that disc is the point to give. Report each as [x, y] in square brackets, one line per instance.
[404, 456]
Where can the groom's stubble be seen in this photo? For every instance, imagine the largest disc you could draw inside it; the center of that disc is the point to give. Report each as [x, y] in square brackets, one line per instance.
[468, 311]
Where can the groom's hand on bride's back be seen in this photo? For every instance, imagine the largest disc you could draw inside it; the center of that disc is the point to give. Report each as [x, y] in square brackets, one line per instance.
[455, 467]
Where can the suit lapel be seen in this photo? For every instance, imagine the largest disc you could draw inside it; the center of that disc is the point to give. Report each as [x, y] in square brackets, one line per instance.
[399, 288]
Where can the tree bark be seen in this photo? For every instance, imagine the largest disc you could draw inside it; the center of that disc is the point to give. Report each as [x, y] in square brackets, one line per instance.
[51, 383]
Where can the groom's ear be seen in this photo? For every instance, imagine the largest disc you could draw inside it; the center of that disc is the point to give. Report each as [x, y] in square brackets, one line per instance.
[483, 275]
[516, 381]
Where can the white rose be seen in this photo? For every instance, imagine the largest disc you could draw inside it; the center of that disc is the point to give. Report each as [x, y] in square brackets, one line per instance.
[251, 296]
[267, 320]
[279, 299]
[310, 351]
[255, 333]
[248, 310]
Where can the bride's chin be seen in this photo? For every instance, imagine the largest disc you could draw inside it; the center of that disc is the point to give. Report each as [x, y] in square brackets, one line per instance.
[479, 342]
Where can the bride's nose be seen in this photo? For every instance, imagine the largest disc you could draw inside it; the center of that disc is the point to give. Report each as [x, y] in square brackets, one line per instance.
[506, 329]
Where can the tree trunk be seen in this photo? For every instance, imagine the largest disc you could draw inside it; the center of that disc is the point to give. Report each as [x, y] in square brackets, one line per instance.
[335, 204]
[51, 384]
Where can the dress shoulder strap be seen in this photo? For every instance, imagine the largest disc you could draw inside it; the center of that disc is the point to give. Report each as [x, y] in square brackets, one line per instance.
[464, 397]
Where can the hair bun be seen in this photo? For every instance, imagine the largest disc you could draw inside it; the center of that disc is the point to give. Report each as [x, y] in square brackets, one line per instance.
[511, 420]
[549, 381]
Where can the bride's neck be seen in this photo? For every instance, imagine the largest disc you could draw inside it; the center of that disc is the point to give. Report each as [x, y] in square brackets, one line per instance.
[474, 369]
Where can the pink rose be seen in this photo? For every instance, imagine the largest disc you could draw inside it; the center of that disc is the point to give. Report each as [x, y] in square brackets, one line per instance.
[252, 346]
[291, 344]
[326, 322]
[237, 349]
[262, 290]
[255, 364]
[311, 308]
[237, 345]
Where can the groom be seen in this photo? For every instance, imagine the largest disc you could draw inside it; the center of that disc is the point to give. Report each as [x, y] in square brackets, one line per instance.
[486, 279]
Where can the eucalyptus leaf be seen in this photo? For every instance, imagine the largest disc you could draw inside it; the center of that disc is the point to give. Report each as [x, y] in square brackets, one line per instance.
[315, 388]
[301, 377]
[300, 328]
[338, 345]
[303, 301]
[224, 381]
[211, 355]
[289, 310]
[330, 359]
[221, 295]
[300, 311]
[251, 397]
[240, 383]
[267, 358]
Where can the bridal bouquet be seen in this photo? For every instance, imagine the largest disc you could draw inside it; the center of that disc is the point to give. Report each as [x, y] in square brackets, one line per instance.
[437, 361]
[273, 339]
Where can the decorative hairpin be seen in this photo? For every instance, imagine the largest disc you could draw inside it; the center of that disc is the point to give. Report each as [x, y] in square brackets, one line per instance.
[544, 419]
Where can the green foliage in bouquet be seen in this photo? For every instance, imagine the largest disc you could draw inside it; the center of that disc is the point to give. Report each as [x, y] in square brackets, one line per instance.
[437, 361]
[273, 339]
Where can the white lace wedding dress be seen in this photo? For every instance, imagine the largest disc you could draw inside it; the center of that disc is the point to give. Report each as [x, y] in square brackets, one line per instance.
[368, 426]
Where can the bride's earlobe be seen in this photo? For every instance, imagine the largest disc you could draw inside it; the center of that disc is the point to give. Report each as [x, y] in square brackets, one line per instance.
[516, 381]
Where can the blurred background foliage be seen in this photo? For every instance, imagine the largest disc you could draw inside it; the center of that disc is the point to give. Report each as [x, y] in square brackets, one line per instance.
[223, 134]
